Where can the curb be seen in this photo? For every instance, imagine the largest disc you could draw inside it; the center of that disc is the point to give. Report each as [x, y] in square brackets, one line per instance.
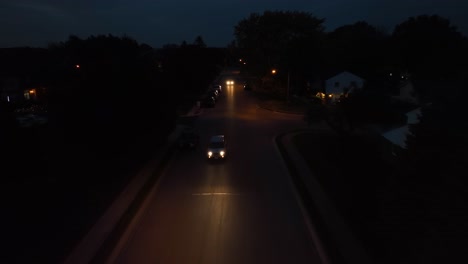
[98, 243]
[316, 236]
[340, 243]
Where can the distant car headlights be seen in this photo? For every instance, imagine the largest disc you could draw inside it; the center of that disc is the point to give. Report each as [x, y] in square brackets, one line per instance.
[210, 154]
[230, 82]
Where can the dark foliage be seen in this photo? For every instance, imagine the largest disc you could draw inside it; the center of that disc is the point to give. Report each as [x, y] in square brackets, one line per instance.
[359, 47]
[288, 41]
[189, 70]
[110, 90]
[430, 47]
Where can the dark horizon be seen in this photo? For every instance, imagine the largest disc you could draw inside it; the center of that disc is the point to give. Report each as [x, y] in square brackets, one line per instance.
[38, 24]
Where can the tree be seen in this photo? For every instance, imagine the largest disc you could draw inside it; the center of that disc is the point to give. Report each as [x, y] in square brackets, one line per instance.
[359, 47]
[287, 40]
[432, 180]
[189, 70]
[430, 47]
[112, 92]
[199, 42]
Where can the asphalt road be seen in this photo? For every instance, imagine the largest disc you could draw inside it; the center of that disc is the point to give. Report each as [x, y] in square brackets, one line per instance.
[241, 210]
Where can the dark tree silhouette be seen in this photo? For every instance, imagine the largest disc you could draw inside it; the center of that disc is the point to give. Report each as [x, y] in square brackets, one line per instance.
[430, 47]
[359, 47]
[113, 93]
[287, 40]
[199, 42]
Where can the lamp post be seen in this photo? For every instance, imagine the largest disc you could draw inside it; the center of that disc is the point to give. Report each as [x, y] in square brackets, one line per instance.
[273, 71]
[287, 90]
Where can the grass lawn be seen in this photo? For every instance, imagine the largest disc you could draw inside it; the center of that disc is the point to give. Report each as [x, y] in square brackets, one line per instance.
[275, 103]
[351, 172]
[54, 191]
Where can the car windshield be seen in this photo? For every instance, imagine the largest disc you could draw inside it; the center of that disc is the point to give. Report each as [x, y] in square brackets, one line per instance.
[216, 145]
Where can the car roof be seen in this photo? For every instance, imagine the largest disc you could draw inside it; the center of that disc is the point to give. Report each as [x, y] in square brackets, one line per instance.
[217, 138]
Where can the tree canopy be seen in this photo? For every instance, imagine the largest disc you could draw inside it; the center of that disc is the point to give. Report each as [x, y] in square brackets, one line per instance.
[359, 47]
[430, 47]
[279, 39]
[106, 83]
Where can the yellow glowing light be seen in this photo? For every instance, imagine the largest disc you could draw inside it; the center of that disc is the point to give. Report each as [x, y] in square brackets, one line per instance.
[32, 91]
[273, 71]
[77, 66]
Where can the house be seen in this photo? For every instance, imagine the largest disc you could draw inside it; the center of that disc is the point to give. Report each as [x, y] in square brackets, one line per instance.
[22, 74]
[406, 92]
[398, 135]
[341, 84]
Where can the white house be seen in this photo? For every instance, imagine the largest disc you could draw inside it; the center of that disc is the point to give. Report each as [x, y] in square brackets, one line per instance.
[398, 136]
[342, 84]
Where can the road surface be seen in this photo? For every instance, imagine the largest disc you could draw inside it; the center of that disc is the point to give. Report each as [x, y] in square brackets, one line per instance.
[242, 210]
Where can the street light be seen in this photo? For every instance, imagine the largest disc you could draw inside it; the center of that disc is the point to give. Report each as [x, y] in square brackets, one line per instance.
[287, 90]
[273, 71]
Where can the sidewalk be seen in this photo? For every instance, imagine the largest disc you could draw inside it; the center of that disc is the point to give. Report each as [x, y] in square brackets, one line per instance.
[334, 232]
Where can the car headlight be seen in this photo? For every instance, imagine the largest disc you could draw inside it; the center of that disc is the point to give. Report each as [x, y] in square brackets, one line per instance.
[222, 153]
[210, 153]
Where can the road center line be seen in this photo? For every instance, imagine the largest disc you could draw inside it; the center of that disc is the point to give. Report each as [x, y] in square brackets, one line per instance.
[216, 193]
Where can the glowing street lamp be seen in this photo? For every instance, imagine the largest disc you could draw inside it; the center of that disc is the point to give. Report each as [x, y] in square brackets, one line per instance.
[273, 71]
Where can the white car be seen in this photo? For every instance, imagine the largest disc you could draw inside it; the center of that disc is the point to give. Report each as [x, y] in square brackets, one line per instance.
[216, 148]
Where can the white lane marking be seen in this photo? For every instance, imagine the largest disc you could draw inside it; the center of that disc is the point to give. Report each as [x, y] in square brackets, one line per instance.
[216, 193]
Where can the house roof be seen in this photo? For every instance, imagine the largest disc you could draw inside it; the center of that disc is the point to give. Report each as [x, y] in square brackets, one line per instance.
[330, 74]
[398, 135]
[413, 116]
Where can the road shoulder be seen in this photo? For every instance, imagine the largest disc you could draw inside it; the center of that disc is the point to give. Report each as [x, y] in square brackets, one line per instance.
[340, 243]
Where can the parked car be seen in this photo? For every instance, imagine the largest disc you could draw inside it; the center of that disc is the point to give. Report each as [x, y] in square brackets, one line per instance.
[214, 93]
[217, 148]
[189, 139]
[208, 101]
[217, 87]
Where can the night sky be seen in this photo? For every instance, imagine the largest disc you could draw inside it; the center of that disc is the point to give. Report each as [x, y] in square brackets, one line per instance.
[36, 23]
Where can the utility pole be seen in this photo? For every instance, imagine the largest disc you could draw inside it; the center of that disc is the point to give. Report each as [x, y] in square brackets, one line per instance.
[287, 90]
